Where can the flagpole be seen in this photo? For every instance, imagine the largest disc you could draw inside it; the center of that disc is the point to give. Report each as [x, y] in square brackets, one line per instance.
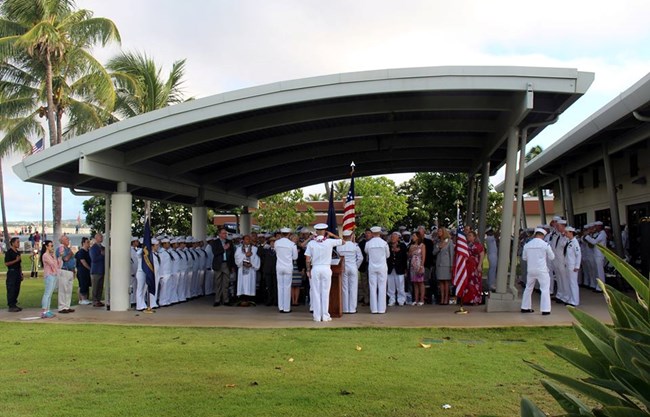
[459, 297]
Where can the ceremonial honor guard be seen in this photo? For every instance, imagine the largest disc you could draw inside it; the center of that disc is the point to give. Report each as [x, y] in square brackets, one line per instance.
[182, 269]
[572, 259]
[537, 252]
[353, 259]
[378, 252]
[173, 278]
[319, 270]
[141, 282]
[598, 237]
[164, 272]
[209, 275]
[558, 243]
[153, 298]
[286, 252]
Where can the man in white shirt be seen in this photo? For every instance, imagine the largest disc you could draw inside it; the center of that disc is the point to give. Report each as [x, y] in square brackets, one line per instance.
[378, 252]
[286, 252]
[537, 252]
[353, 259]
[319, 270]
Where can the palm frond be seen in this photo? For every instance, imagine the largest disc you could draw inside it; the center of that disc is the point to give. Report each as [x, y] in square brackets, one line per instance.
[17, 132]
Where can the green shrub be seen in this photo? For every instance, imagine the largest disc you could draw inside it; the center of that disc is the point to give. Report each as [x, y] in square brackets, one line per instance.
[616, 360]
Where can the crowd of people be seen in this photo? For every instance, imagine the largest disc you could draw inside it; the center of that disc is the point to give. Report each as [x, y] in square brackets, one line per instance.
[285, 269]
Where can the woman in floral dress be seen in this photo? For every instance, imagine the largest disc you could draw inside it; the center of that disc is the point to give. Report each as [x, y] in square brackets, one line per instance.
[417, 253]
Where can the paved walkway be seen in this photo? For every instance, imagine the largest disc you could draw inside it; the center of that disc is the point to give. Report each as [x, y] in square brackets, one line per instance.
[200, 313]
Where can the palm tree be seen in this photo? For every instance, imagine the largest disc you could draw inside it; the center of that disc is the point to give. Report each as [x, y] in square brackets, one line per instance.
[51, 39]
[316, 197]
[139, 85]
[533, 152]
[341, 189]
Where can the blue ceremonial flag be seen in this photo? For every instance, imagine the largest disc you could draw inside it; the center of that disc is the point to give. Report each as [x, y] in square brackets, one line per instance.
[331, 214]
[147, 259]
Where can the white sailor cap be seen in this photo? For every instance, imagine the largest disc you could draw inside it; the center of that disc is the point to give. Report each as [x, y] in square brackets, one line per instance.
[320, 226]
[189, 239]
[347, 232]
[154, 241]
[570, 229]
[489, 229]
[561, 221]
[165, 240]
[141, 240]
[556, 218]
[598, 223]
[285, 230]
[375, 229]
[546, 226]
[236, 236]
[134, 239]
[540, 230]
[406, 232]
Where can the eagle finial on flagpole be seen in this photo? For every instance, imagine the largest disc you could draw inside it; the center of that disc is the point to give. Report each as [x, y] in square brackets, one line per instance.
[352, 168]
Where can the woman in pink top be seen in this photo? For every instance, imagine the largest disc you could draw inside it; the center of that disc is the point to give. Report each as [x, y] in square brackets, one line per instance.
[51, 268]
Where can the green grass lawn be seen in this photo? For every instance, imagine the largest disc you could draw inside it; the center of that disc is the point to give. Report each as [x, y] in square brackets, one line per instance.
[31, 292]
[49, 369]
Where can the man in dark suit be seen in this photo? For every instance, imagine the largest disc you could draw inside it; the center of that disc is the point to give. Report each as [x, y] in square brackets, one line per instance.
[396, 270]
[223, 264]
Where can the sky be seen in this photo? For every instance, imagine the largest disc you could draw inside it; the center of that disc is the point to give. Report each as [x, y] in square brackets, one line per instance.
[232, 44]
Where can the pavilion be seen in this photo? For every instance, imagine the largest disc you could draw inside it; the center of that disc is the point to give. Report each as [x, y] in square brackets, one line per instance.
[231, 149]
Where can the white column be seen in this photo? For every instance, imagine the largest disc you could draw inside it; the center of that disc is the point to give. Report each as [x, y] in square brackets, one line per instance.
[502, 300]
[469, 216]
[199, 222]
[107, 249]
[245, 222]
[485, 185]
[613, 202]
[120, 257]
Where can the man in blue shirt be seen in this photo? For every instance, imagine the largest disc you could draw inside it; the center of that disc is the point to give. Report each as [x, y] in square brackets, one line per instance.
[97, 270]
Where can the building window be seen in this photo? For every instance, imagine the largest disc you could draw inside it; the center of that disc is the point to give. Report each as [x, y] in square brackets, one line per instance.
[579, 220]
[596, 178]
[604, 216]
[634, 164]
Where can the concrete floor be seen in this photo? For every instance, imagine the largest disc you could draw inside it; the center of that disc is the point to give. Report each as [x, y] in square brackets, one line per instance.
[200, 313]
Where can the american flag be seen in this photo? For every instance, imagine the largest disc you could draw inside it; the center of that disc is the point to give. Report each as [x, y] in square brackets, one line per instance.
[348, 212]
[38, 146]
[460, 261]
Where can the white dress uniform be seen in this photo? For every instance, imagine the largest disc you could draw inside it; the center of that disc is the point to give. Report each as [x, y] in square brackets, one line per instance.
[247, 267]
[350, 285]
[378, 251]
[173, 277]
[133, 284]
[141, 284]
[153, 298]
[319, 250]
[598, 238]
[209, 274]
[202, 260]
[536, 253]
[182, 275]
[286, 252]
[164, 271]
[493, 259]
[572, 259]
[189, 272]
[558, 244]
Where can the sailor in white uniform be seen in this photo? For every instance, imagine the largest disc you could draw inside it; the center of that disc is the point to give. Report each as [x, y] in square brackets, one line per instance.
[286, 252]
[133, 284]
[353, 259]
[209, 274]
[572, 259]
[164, 273]
[378, 252]
[537, 252]
[599, 237]
[319, 270]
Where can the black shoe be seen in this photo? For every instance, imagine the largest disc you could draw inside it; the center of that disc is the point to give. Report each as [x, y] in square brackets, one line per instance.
[216, 304]
[545, 313]
[530, 310]
[15, 309]
[569, 305]
[557, 300]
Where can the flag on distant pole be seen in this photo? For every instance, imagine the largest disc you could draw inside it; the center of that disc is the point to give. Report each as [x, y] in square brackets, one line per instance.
[38, 146]
[331, 214]
[147, 258]
[460, 260]
[349, 221]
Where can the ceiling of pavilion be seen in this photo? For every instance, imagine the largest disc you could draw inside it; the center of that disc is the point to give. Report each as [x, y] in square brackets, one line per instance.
[233, 148]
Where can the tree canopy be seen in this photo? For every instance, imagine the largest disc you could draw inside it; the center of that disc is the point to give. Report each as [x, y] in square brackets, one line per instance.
[283, 210]
[380, 204]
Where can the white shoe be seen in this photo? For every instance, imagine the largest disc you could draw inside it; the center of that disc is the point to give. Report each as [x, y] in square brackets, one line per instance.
[420, 303]
[328, 319]
[85, 302]
[414, 303]
[391, 305]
